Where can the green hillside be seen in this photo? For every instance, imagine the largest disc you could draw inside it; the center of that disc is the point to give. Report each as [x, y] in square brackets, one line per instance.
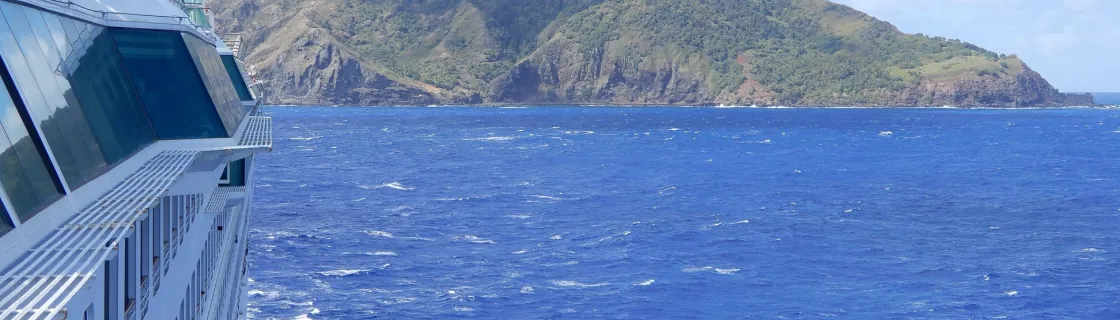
[796, 52]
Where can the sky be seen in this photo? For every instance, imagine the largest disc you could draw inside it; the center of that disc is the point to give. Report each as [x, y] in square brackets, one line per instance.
[1074, 44]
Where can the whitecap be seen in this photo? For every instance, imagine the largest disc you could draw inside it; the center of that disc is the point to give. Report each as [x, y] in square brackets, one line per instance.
[645, 283]
[743, 222]
[305, 138]
[475, 239]
[576, 284]
[399, 300]
[886, 134]
[418, 238]
[499, 138]
[1091, 250]
[579, 132]
[527, 289]
[383, 253]
[379, 233]
[302, 317]
[1011, 292]
[546, 197]
[342, 272]
[666, 190]
[727, 271]
[767, 141]
[522, 251]
[378, 290]
[556, 237]
[463, 309]
[691, 269]
[264, 294]
[520, 216]
[390, 185]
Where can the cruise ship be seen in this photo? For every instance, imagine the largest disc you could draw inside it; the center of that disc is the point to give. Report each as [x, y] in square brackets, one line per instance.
[128, 133]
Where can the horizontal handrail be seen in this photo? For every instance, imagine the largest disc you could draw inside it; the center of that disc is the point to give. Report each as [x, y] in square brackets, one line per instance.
[105, 15]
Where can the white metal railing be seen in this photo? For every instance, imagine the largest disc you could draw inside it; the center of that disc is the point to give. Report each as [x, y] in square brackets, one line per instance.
[40, 284]
[122, 16]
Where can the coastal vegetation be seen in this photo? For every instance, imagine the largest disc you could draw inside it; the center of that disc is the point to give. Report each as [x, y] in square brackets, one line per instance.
[795, 52]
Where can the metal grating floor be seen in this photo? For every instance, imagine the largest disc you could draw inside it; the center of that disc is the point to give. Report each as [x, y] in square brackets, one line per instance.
[257, 133]
[218, 200]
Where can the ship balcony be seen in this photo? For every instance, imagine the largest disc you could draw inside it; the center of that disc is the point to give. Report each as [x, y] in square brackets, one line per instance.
[130, 308]
[88, 238]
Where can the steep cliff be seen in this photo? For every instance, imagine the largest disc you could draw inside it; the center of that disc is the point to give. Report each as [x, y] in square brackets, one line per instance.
[790, 52]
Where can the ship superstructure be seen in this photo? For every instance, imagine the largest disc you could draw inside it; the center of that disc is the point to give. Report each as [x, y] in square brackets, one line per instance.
[128, 130]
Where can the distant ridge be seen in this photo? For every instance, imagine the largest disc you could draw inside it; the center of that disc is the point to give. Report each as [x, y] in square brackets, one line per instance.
[675, 52]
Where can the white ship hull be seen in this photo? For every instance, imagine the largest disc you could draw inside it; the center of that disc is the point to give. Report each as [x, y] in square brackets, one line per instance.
[128, 131]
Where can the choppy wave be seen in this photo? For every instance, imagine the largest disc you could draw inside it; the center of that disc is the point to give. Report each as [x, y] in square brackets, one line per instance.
[305, 138]
[342, 272]
[543, 232]
[379, 233]
[390, 185]
[576, 284]
[500, 138]
[474, 239]
[725, 271]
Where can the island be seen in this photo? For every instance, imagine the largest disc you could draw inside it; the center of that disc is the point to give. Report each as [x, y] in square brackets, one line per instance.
[625, 52]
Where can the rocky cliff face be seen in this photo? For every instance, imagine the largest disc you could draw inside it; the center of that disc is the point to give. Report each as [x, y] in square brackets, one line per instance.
[808, 52]
[302, 63]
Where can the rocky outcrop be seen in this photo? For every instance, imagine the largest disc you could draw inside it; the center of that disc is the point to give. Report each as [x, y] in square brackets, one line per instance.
[302, 63]
[560, 72]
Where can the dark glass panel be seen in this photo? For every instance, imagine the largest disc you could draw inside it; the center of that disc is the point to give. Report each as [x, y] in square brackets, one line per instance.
[6, 224]
[236, 173]
[111, 106]
[236, 78]
[23, 168]
[24, 79]
[70, 117]
[217, 81]
[168, 84]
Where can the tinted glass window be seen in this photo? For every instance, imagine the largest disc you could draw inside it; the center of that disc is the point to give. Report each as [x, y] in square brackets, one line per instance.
[217, 81]
[47, 95]
[115, 115]
[23, 167]
[5, 223]
[236, 78]
[169, 86]
[236, 173]
[75, 86]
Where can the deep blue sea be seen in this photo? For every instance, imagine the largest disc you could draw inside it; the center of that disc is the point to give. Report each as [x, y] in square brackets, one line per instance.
[687, 213]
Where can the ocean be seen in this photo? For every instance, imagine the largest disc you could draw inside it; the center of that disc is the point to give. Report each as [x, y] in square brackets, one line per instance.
[687, 213]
